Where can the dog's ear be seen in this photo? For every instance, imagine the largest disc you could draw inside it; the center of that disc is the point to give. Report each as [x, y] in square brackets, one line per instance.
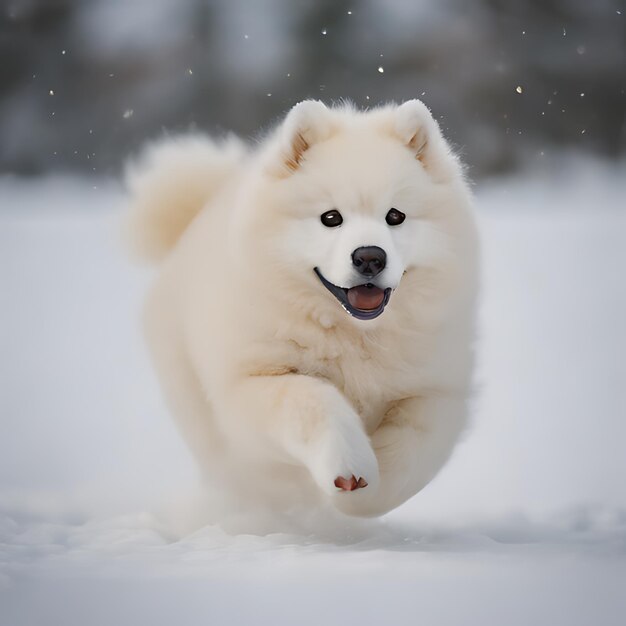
[413, 125]
[307, 123]
[417, 129]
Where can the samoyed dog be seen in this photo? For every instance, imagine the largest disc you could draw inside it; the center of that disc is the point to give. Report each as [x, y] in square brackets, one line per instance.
[312, 320]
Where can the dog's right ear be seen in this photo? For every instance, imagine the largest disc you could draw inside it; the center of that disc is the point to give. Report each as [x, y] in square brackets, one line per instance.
[307, 123]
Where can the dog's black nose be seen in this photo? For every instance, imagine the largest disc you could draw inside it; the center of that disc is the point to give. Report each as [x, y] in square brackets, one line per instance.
[369, 260]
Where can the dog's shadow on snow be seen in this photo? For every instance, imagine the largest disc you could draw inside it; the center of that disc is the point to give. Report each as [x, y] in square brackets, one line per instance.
[34, 535]
[584, 527]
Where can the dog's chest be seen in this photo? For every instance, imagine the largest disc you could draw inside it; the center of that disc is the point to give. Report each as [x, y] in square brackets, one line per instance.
[371, 374]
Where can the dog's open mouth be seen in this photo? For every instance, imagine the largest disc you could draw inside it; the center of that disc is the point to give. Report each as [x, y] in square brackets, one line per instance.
[365, 302]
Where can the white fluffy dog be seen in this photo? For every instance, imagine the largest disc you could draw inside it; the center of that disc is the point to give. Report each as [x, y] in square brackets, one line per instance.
[313, 317]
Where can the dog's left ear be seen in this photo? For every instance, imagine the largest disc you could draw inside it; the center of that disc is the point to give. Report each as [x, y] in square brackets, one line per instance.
[416, 128]
[414, 125]
[307, 123]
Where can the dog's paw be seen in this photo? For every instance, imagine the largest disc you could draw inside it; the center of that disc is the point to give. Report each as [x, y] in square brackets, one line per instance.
[350, 484]
[344, 461]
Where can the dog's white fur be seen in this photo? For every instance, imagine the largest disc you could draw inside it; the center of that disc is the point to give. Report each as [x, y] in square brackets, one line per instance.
[276, 388]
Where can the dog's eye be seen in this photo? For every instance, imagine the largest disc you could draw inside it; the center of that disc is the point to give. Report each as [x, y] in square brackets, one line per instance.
[394, 217]
[331, 218]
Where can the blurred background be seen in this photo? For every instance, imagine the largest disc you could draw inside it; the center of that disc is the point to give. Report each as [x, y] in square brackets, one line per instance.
[83, 82]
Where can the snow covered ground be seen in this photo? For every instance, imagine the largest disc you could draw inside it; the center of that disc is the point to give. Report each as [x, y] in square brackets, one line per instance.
[525, 525]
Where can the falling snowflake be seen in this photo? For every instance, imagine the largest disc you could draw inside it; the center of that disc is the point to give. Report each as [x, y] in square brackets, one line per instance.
[51, 92]
[381, 69]
[128, 113]
[324, 31]
[519, 89]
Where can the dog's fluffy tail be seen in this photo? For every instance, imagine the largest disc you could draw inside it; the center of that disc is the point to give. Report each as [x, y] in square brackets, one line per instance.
[170, 182]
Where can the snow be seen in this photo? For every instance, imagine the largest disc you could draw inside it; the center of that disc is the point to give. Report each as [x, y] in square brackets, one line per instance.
[100, 518]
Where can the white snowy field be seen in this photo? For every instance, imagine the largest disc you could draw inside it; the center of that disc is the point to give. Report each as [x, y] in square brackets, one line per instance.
[525, 525]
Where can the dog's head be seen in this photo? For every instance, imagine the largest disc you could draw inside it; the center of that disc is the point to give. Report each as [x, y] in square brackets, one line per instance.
[357, 200]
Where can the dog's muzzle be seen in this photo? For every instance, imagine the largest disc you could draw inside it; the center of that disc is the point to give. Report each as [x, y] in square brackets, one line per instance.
[365, 302]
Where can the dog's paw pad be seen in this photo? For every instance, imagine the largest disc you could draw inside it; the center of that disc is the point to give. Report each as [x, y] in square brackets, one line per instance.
[350, 484]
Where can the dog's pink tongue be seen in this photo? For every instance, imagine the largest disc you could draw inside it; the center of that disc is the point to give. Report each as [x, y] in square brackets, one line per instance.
[366, 297]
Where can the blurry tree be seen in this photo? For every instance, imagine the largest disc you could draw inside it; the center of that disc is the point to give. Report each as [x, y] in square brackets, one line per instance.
[85, 82]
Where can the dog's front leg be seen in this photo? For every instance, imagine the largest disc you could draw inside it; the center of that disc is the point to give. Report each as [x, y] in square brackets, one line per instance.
[295, 417]
[413, 441]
